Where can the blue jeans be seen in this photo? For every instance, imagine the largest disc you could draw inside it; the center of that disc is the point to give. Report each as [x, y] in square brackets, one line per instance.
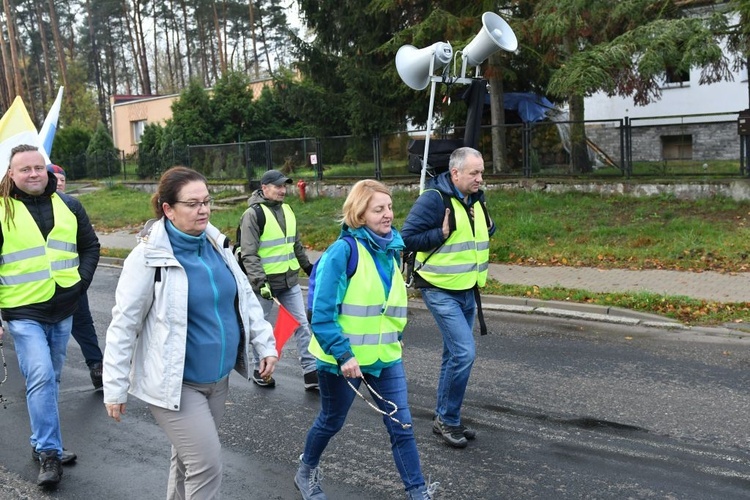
[335, 399]
[40, 348]
[454, 314]
[85, 334]
[292, 299]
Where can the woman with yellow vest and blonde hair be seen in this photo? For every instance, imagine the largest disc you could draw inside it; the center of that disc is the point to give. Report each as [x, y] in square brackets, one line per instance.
[357, 321]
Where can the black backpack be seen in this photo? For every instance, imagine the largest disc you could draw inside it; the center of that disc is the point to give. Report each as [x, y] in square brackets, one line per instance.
[260, 215]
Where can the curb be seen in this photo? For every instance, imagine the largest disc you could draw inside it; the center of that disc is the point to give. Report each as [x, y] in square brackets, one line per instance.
[567, 310]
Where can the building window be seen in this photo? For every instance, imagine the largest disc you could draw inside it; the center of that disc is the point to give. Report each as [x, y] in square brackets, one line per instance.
[676, 78]
[136, 129]
[677, 147]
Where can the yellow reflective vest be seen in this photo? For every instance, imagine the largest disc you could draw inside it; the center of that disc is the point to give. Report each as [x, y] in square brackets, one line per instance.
[30, 267]
[463, 260]
[276, 249]
[371, 322]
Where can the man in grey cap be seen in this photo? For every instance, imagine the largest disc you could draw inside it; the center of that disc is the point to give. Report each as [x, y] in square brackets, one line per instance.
[272, 255]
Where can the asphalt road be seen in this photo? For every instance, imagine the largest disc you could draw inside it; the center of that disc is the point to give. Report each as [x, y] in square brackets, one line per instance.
[563, 409]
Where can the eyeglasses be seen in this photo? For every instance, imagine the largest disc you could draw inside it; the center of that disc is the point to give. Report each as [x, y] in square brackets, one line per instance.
[192, 205]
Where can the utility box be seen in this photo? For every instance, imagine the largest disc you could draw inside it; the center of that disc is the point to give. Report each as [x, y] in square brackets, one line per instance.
[743, 122]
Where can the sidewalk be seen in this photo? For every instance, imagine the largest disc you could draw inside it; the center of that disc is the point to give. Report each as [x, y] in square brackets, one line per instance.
[708, 285]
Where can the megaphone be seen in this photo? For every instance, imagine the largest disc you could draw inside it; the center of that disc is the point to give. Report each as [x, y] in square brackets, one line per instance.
[495, 34]
[413, 64]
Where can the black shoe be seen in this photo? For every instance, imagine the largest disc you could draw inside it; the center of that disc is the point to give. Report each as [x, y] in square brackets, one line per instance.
[311, 381]
[50, 471]
[452, 434]
[96, 376]
[267, 382]
[67, 456]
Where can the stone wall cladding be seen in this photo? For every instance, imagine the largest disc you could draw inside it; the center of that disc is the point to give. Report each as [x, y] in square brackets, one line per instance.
[711, 141]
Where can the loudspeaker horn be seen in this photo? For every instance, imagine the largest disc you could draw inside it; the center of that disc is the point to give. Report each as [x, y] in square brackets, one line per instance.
[413, 64]
[495, 34]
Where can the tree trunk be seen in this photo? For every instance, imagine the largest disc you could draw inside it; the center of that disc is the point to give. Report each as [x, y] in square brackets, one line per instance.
[255, 41]
[188, 45]
[25, 82]
[111, 61]
[579, 152]
[497, 111]
[203, 51]
[219, 44]
[97, 65]
[156, 51]
[8, 95]
[17, 87]
[57, 39]
[50, 90]
[141, 43]
[172, 74]
[263, 39]
[133, 47]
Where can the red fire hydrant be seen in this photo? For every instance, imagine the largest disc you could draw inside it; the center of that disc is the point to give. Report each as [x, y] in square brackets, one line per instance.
[301, 185]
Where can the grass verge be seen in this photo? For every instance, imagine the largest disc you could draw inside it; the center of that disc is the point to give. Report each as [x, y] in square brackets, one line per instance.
[534, 228]
[683, 309]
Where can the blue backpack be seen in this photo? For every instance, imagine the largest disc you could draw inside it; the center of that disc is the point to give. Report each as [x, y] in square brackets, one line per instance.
[351, 267]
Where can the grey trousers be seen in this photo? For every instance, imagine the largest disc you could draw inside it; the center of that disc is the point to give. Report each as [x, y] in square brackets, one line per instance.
[195, 465]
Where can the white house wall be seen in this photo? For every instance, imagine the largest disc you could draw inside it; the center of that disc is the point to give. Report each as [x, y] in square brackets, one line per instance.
[686, 99]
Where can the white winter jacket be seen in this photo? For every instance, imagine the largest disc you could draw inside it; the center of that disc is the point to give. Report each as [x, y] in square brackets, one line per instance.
[145, 351]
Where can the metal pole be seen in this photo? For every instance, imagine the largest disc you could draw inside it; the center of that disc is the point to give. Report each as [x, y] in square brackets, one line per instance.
[423, 174]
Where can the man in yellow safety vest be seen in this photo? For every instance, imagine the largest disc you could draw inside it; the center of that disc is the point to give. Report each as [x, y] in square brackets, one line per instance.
[449, 228]
[272, 255]
[48, 256]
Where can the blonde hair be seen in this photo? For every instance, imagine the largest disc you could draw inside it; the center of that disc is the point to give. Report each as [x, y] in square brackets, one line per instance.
[6, 184]
[355, 205]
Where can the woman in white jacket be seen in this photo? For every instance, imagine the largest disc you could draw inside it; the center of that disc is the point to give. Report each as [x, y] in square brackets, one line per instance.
[184, 317]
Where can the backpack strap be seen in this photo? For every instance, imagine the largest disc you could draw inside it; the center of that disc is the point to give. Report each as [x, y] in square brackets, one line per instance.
[451, 222]
[351, 264]
[260, 217]
[448, 204]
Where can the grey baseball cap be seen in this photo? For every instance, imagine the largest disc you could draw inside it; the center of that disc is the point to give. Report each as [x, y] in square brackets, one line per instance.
[275, 177]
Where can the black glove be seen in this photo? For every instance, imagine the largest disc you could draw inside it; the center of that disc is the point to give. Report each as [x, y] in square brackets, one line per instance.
[308, 269]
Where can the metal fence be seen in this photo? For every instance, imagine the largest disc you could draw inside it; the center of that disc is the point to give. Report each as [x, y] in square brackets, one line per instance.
[660, 146]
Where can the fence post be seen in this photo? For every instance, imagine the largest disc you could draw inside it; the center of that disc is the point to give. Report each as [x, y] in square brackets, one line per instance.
[269, 163]
[319, 149]
[376, 155]
[248, 168]
[526, 148]
[628, 149]
[623, 167]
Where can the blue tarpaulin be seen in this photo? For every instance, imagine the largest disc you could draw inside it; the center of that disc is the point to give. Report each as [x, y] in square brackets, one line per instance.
[530, 107]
